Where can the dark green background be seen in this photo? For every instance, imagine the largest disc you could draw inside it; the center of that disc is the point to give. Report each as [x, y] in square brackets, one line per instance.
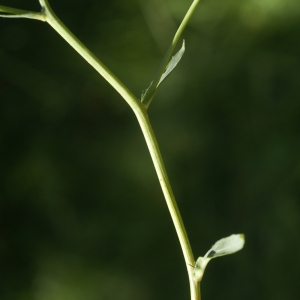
[82, 216]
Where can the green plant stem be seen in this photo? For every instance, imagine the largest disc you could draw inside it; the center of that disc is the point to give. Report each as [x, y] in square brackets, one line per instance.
[142, 116]
[69, 37]
[150, 93]
[140, 111]
[11, 12]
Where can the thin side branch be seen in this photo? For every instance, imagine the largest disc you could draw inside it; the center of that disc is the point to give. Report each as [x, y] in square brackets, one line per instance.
[10, 12]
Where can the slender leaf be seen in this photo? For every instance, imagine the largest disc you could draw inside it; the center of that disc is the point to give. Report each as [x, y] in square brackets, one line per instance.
[173, 63]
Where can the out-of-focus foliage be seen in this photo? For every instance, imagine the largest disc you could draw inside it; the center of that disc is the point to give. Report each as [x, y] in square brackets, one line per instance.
[82, 215]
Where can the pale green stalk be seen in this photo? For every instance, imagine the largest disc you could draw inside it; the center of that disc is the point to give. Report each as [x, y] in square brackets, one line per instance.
[140, 111]
[13, 11]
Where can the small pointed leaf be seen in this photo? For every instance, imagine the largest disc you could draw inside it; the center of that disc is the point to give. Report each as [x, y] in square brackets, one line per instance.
[169, 68]
[173, 63]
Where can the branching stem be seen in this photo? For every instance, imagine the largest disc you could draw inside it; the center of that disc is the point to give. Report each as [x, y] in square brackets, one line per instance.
[139, 109]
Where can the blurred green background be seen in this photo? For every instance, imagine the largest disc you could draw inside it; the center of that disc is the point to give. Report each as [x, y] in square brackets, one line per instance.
[82, 215]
